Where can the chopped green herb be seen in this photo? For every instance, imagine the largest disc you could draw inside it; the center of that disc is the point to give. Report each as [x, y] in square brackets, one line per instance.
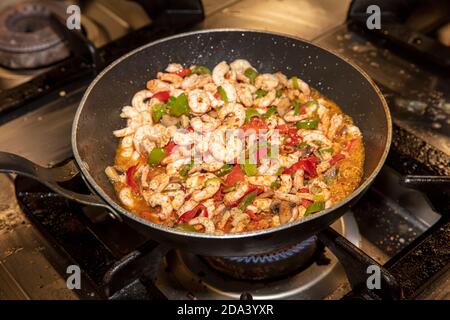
[279, 93]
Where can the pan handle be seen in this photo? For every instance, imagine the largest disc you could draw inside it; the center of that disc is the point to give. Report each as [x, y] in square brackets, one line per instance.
[12, 163]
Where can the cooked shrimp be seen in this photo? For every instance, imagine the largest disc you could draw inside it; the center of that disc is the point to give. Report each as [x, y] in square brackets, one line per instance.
[336, 122]
[230, 197]
[204, 123]
[265, 181]
[292, 117]
[286, 183]
[170, 77]
[225, 150]
[245, 93]
[126, 196]
[302, 85]
[159, 182]
[266, 81]
[230, 92]
[219, 71]
[157, 85]
[161, 200]
[139, 100]
[237, 113]
[205, 222]
[199, 101]
[211, 187]
[240, 65]
[174, 67]
[265, 101]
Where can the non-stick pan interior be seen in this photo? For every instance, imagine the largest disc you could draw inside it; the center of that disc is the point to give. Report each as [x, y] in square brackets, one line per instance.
[338, 80]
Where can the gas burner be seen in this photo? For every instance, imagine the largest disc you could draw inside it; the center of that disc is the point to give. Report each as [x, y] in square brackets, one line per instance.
[26, 37]
[268, 266]
[317, 276]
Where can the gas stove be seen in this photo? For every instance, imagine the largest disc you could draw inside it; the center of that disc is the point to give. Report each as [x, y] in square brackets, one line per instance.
[403, 231]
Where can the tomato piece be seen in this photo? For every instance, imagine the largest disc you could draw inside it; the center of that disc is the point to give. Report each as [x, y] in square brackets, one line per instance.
[236, 175]
[162, 95]
[283, 128]
[183, 72]
[304, 190]
[336, 158]
[169, 147]
[131, 182]
[253, 216]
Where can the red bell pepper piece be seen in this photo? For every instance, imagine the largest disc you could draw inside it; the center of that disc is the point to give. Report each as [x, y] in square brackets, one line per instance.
[218, 196]
[336, 158]
[351, 144]
[236, 175]
[131, 182]
[191, 214]
[162, 95]
[307, 164]
[183, 72]
[304, 190]
[306, 203]
[169, 147]
[253, 216]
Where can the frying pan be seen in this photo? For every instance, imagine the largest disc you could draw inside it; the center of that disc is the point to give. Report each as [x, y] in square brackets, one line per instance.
[97, 116]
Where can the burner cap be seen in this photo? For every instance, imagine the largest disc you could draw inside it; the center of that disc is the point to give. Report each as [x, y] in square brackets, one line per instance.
[26, 37]
[267, 266]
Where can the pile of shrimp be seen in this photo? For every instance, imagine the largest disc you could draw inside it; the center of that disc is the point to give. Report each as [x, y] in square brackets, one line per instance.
[319, 158]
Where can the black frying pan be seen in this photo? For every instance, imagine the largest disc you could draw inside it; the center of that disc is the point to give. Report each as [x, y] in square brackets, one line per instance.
[98, 115]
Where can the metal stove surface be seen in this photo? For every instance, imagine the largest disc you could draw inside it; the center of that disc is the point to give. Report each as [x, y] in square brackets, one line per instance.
[42, 134]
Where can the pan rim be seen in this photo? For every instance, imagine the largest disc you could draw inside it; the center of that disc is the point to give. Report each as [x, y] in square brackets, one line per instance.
[110, 202]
